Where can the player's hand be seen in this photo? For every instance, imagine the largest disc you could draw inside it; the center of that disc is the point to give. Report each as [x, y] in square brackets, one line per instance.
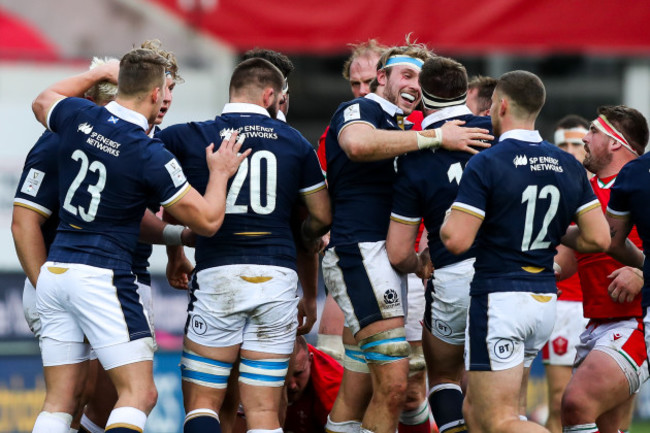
[425, 267]
[456, 137]
[307, 314]
[626, 284]
[179, 271]
[227, 158]
[110, 69]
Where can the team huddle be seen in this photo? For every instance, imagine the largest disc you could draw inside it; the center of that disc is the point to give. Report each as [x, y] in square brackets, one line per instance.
[456, 242]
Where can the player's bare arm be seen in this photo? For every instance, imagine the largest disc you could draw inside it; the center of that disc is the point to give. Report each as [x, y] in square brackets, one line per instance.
[28, 240]
[459, 231]
[621, 248]
[591, 235]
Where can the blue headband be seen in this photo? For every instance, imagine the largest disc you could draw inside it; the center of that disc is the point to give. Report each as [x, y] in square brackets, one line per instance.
[404, 60]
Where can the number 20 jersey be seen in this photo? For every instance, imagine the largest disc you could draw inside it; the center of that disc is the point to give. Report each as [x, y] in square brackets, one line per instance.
[261, 195]
[109, 170]
[527, 192]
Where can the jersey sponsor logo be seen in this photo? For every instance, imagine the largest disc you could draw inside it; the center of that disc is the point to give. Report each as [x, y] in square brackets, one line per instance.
[33, 182]
[560, 346]
[86, 128]
[520, 160]
[543, 163]
[249, 131]
[175, 172]
[504, 348]
[353, 112]
[198, 325]
[442, 328]
[103, 143]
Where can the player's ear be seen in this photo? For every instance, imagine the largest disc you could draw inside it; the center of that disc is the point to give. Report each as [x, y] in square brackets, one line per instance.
[382, 77]
[504, 106]
[268, 97]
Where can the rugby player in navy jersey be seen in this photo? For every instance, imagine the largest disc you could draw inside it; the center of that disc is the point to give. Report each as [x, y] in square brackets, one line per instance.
[426, 186]
[522, 193]
[109, 170]
[611, 361]
[243, 295]
[363, 138]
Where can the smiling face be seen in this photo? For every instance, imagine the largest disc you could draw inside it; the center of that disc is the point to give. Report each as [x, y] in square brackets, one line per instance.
[401, 86]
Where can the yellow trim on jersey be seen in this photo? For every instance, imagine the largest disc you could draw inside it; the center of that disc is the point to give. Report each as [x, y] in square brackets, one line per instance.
[352, 123]
[311, 191]
[458, 429]
[588, 208]
[252, 233]
[542, 298]
[462, 209]
[32, 208]
[404, 221]
[256, 280]
[180, 195]
[75, 227]
[57, 270]
[532, 269]
[124, 425]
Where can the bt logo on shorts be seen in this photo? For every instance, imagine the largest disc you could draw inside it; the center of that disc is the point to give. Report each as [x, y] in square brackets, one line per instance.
[198, 325]
[443, 328]
[504, 348]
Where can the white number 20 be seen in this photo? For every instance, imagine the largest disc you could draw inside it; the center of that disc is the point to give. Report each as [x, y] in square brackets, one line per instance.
[94, 190]
[255, 183]
[530, 195]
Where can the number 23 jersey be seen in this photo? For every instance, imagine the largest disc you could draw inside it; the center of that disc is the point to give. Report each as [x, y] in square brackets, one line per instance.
[527, 192]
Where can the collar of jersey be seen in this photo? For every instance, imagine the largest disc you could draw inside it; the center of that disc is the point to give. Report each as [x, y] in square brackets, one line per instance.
[127, 114]
[244, 107]
[607, 182]
[390, 108]
[445, 113]
[522, 135]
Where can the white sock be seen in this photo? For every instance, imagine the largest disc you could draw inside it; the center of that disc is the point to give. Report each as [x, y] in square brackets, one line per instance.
[127, 415]
[52, 422]
[89, 425]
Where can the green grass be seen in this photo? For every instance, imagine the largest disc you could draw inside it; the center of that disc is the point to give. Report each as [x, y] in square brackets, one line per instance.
[640, 427]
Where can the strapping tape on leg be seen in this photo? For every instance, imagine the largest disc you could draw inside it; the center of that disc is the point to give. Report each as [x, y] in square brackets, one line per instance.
[204, 371]
[416, 360]
[386, 346]
[354, 359]
[263, 372]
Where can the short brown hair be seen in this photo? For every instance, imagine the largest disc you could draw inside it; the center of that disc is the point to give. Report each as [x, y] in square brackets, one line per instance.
[629, 122]
[156, 46]
[370, 48]
[525, 90]
[411, 49]
[485, 86]
[256, 72]
[443, 77]
[280, 61]
[572, 121]
[140, 71]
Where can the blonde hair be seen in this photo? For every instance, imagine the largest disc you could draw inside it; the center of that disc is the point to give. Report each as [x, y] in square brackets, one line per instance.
[103, 92]
[156, 46]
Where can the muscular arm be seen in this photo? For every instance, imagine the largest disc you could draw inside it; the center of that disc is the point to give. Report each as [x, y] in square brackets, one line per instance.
[73, 86]
[590, 235]
[319, 220]
[361, 142]
[566, 259]
[28, 240]
[459, 231]
[399, 246]
[621, 248]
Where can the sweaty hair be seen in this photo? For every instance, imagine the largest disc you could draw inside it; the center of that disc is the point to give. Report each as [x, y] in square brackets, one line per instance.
[156, 46]
[258, 73]
[629, 122]
[140, 71]
[279, 60]
[525, 90]
[105, 91]
[370, 48]
[485, 86]
[572, 121]
[443, 77]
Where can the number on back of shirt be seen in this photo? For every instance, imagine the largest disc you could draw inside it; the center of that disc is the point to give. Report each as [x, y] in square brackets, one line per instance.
[549, 194]
[95, 190]
[253, 171]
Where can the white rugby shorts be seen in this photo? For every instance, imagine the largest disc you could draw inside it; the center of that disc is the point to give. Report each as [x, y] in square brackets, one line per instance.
[569, 324]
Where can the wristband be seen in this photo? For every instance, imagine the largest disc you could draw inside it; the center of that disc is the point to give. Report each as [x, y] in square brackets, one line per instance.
[172, 234]
[557, 268]
[430, 142]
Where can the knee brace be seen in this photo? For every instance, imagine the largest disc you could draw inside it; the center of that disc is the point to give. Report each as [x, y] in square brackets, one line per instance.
[263, 372]
[416, 360]
[386, 346]
[204, 371]
[354, 359]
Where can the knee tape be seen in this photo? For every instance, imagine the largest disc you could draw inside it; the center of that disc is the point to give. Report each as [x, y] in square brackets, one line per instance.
[342, 427]
[416, 360]
[386, 346]
[263, 372]
[204, 371]
[354, 359]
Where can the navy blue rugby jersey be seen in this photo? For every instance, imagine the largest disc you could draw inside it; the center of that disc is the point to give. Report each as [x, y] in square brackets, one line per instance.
[109, 170]
[261, 195]
[427, 183]
[527, 192]
[361, 192]
[38, 188]
[630, 197]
